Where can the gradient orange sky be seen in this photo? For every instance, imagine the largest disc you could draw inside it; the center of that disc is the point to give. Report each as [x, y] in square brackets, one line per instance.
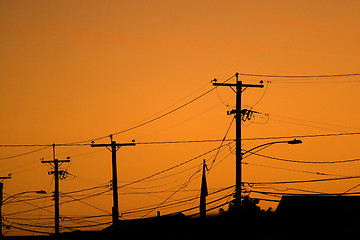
[72, 71]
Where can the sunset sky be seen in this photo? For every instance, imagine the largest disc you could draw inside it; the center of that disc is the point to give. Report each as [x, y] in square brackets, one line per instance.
[74, 71]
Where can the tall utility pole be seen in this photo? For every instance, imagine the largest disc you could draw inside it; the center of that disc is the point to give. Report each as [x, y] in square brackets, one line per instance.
[203, 192]
[113, 147]
[55, 163]
[240, 87]
[1, 201]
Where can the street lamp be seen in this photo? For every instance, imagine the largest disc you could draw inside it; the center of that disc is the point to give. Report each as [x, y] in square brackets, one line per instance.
[295, 141]
[21, 193]
[14, 196]
[262, 146]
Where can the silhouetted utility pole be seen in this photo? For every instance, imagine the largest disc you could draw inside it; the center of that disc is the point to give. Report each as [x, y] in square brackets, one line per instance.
[55, 164]
[203, 192]
[113, 149]
[240, 87]
[1, 202]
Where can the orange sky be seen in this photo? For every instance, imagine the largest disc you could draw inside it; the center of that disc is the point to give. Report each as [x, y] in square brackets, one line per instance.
[72, 71]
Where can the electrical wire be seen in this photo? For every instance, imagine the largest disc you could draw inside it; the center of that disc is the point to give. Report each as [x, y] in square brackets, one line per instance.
[87, 226]
[27, 230]
[300, 76]
[85, 203]
[215, 207]
[307, 162]
[314, 122]
[179, 123]
[221, 144]
[155, 118]
[357, 185]
[290, 169]
[61, 203]
[32, 225]
[211, 140]
[301, 124]
[122, 131]
[185, 141]
[302, 181]
[319, 82]
[174, 203]
[168, 169]
[301, 194]
[26, 202]
[22, 154]
[210, 202]
[181, 187]
[262, 96]
[107, 190]
[301, 136]
[171, 195]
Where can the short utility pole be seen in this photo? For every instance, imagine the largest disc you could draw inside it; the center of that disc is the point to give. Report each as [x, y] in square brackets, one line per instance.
[55, 164]
[240, 87]
[203, 192]
[1, 201]
[113, 147]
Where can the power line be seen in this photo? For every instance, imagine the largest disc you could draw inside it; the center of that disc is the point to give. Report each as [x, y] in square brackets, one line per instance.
[232, 139]
[300, 76]
[301, 194]
[32, 225]
[213, 201]
[89, 225]
[85, 189]
[27, 230]
[107, 190]
[171, 204]
[302, 181]
[180, 188]
[357, 185]
[23, 154]
[87, 204]
[307, 162]
[302, 136]
[319, 82]
[51, 205]
[25, 145]
[156, 118]
[122, 131]
[172, 194]
[188, 141]
[170, 168]
[314, 122]
[289, 169]
[301, 124]
[222, 142]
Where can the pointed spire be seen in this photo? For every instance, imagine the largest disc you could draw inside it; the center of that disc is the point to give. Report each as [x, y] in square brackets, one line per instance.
[204, 192]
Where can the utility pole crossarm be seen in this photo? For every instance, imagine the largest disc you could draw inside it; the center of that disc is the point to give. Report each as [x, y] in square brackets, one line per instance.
[116, 144]
[52, 161]
[234, 85]
[224, 84]
[9, 177]
[253, 85]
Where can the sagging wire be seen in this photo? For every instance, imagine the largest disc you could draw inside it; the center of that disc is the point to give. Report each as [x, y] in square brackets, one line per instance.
[221, 144]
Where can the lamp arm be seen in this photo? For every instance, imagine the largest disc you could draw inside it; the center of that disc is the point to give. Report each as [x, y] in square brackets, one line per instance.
[263, 145]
